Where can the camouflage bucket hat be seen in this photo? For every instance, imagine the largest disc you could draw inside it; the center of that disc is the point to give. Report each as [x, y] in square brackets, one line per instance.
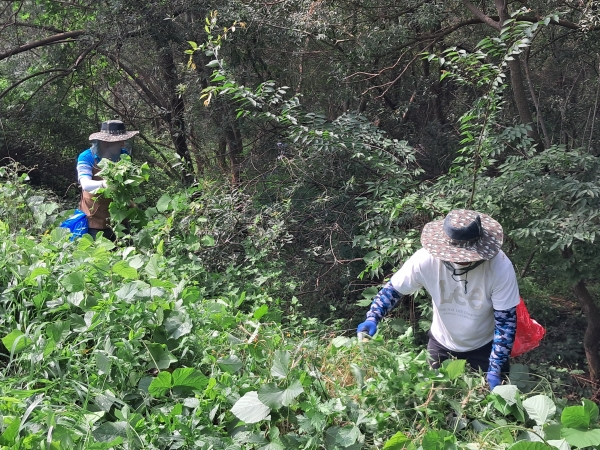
[463, 236]
[112, 131]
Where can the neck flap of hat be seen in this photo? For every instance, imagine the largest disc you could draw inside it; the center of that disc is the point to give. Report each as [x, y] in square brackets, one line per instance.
[467, 234]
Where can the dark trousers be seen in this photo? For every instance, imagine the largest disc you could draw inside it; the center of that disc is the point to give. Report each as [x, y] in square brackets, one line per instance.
[477, 359]
[107, 233]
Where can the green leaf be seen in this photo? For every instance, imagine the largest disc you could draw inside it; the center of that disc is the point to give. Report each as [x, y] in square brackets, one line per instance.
[123, 269]
[231, 364]
[454, 368]
[337, 437]
[16, 341]
[525, 445]
[160, 385]
[207, 241]
[281, 363]
[250, 409]
[177, 324]
[152, 269]
[275, 397]
[508, 392]
[539, 408]
[188, 379]
[581, 438]
[260, 312]
[576, 417]
[163, 203]
[74, 282]
[396, 442]
[9, 435]
[112, 432]
[161, 356]
[103, 363]
[592, 410]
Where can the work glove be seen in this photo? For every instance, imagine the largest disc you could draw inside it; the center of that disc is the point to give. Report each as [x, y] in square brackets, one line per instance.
[493, 380]
[368, 326]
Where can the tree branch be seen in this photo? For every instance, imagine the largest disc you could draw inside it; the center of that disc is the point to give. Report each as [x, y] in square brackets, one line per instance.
[481, 16]
[41, 43]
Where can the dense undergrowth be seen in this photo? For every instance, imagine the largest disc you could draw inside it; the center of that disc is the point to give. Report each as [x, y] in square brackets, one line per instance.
[164, 340]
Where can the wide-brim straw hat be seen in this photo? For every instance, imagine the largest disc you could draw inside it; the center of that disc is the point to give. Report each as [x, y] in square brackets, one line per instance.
[463, 236]
[112, 131]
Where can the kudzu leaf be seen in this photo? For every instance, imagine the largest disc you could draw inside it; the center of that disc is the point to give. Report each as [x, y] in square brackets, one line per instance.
[581, 438]
[250, 409]
[540, 408]
[74, 282]
[160, 385]
[161, 357]
[163, 203]
[575, 417]
[525, 445]
[396, 442]
[112, 432]
[281, 363]
[230, 364]
[16, 341]
[507, 392]
[123, 269]
[592, 409]
[455, 368]
[188, 379]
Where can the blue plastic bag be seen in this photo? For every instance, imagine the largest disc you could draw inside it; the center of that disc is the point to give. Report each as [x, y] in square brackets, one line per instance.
[76, 224]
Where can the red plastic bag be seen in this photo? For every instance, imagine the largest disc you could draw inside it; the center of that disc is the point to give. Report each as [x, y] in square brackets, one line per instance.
[529, 332]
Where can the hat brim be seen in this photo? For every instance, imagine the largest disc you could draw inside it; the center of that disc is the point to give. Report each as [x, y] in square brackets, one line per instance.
[435, 241]
[106, 137]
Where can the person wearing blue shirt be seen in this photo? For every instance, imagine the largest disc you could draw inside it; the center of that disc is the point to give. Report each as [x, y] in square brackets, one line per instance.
[109, 143]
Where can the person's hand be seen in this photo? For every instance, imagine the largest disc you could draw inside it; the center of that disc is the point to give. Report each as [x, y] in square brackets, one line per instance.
[368, 326]
[493, 380]
[104, 185]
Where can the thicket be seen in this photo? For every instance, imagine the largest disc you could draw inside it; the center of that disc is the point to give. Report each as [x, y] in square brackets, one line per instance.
[288, 158]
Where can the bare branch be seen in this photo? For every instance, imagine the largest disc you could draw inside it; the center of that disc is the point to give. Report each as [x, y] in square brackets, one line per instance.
[41, 43]
[481, 16]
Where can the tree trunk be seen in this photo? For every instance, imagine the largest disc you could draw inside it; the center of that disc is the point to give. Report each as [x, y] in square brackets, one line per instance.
[516, 81]
[591, 337]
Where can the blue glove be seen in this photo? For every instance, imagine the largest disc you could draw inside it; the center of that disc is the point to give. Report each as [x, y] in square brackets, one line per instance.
[368, 326]
[493, 380]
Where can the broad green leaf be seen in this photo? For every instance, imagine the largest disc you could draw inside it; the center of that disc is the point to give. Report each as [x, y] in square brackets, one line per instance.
[561, 444]
[250, 409]
[163, 203]
[74, 282]
[539, 408]
[508, 392]
[455, 368]
[275, 397]
[396, 442]
[112, 432]
[581, 438]
[103, 363]
[177, 324]
[370, 257]
[230, 364]
[188, 379]
[123, 269]
[525, 445]
[341, 341]
[592, 410]
[281, 363]
[160, 385]
[38, 271]
[16, 341]
[152, 269]
[575, 417]
[261, 311]
[161, 356]
[336, 437]
[11, 432]
[207, 241]
[358, 375]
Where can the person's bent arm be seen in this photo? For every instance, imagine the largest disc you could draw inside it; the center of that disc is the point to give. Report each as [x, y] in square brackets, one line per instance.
[89, 185]
[384, 302]
[504, 339]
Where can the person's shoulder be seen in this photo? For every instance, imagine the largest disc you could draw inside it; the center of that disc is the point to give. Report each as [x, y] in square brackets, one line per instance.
[422, 256]
[86, 155]
[500, 261]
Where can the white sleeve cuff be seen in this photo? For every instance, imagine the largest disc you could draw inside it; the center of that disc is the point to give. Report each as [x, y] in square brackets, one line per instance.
[87, 184]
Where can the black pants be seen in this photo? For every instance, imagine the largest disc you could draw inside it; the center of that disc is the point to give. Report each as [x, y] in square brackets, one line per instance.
[108, 233]
[477, 359]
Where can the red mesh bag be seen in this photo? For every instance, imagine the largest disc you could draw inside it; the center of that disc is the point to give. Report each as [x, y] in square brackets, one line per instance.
[529, 332]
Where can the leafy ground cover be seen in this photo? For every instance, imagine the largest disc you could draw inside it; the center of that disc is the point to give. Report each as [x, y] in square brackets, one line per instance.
[143, 345]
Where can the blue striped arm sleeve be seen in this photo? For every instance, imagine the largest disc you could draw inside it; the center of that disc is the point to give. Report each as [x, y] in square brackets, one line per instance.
[504, 338]
[383, 302]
